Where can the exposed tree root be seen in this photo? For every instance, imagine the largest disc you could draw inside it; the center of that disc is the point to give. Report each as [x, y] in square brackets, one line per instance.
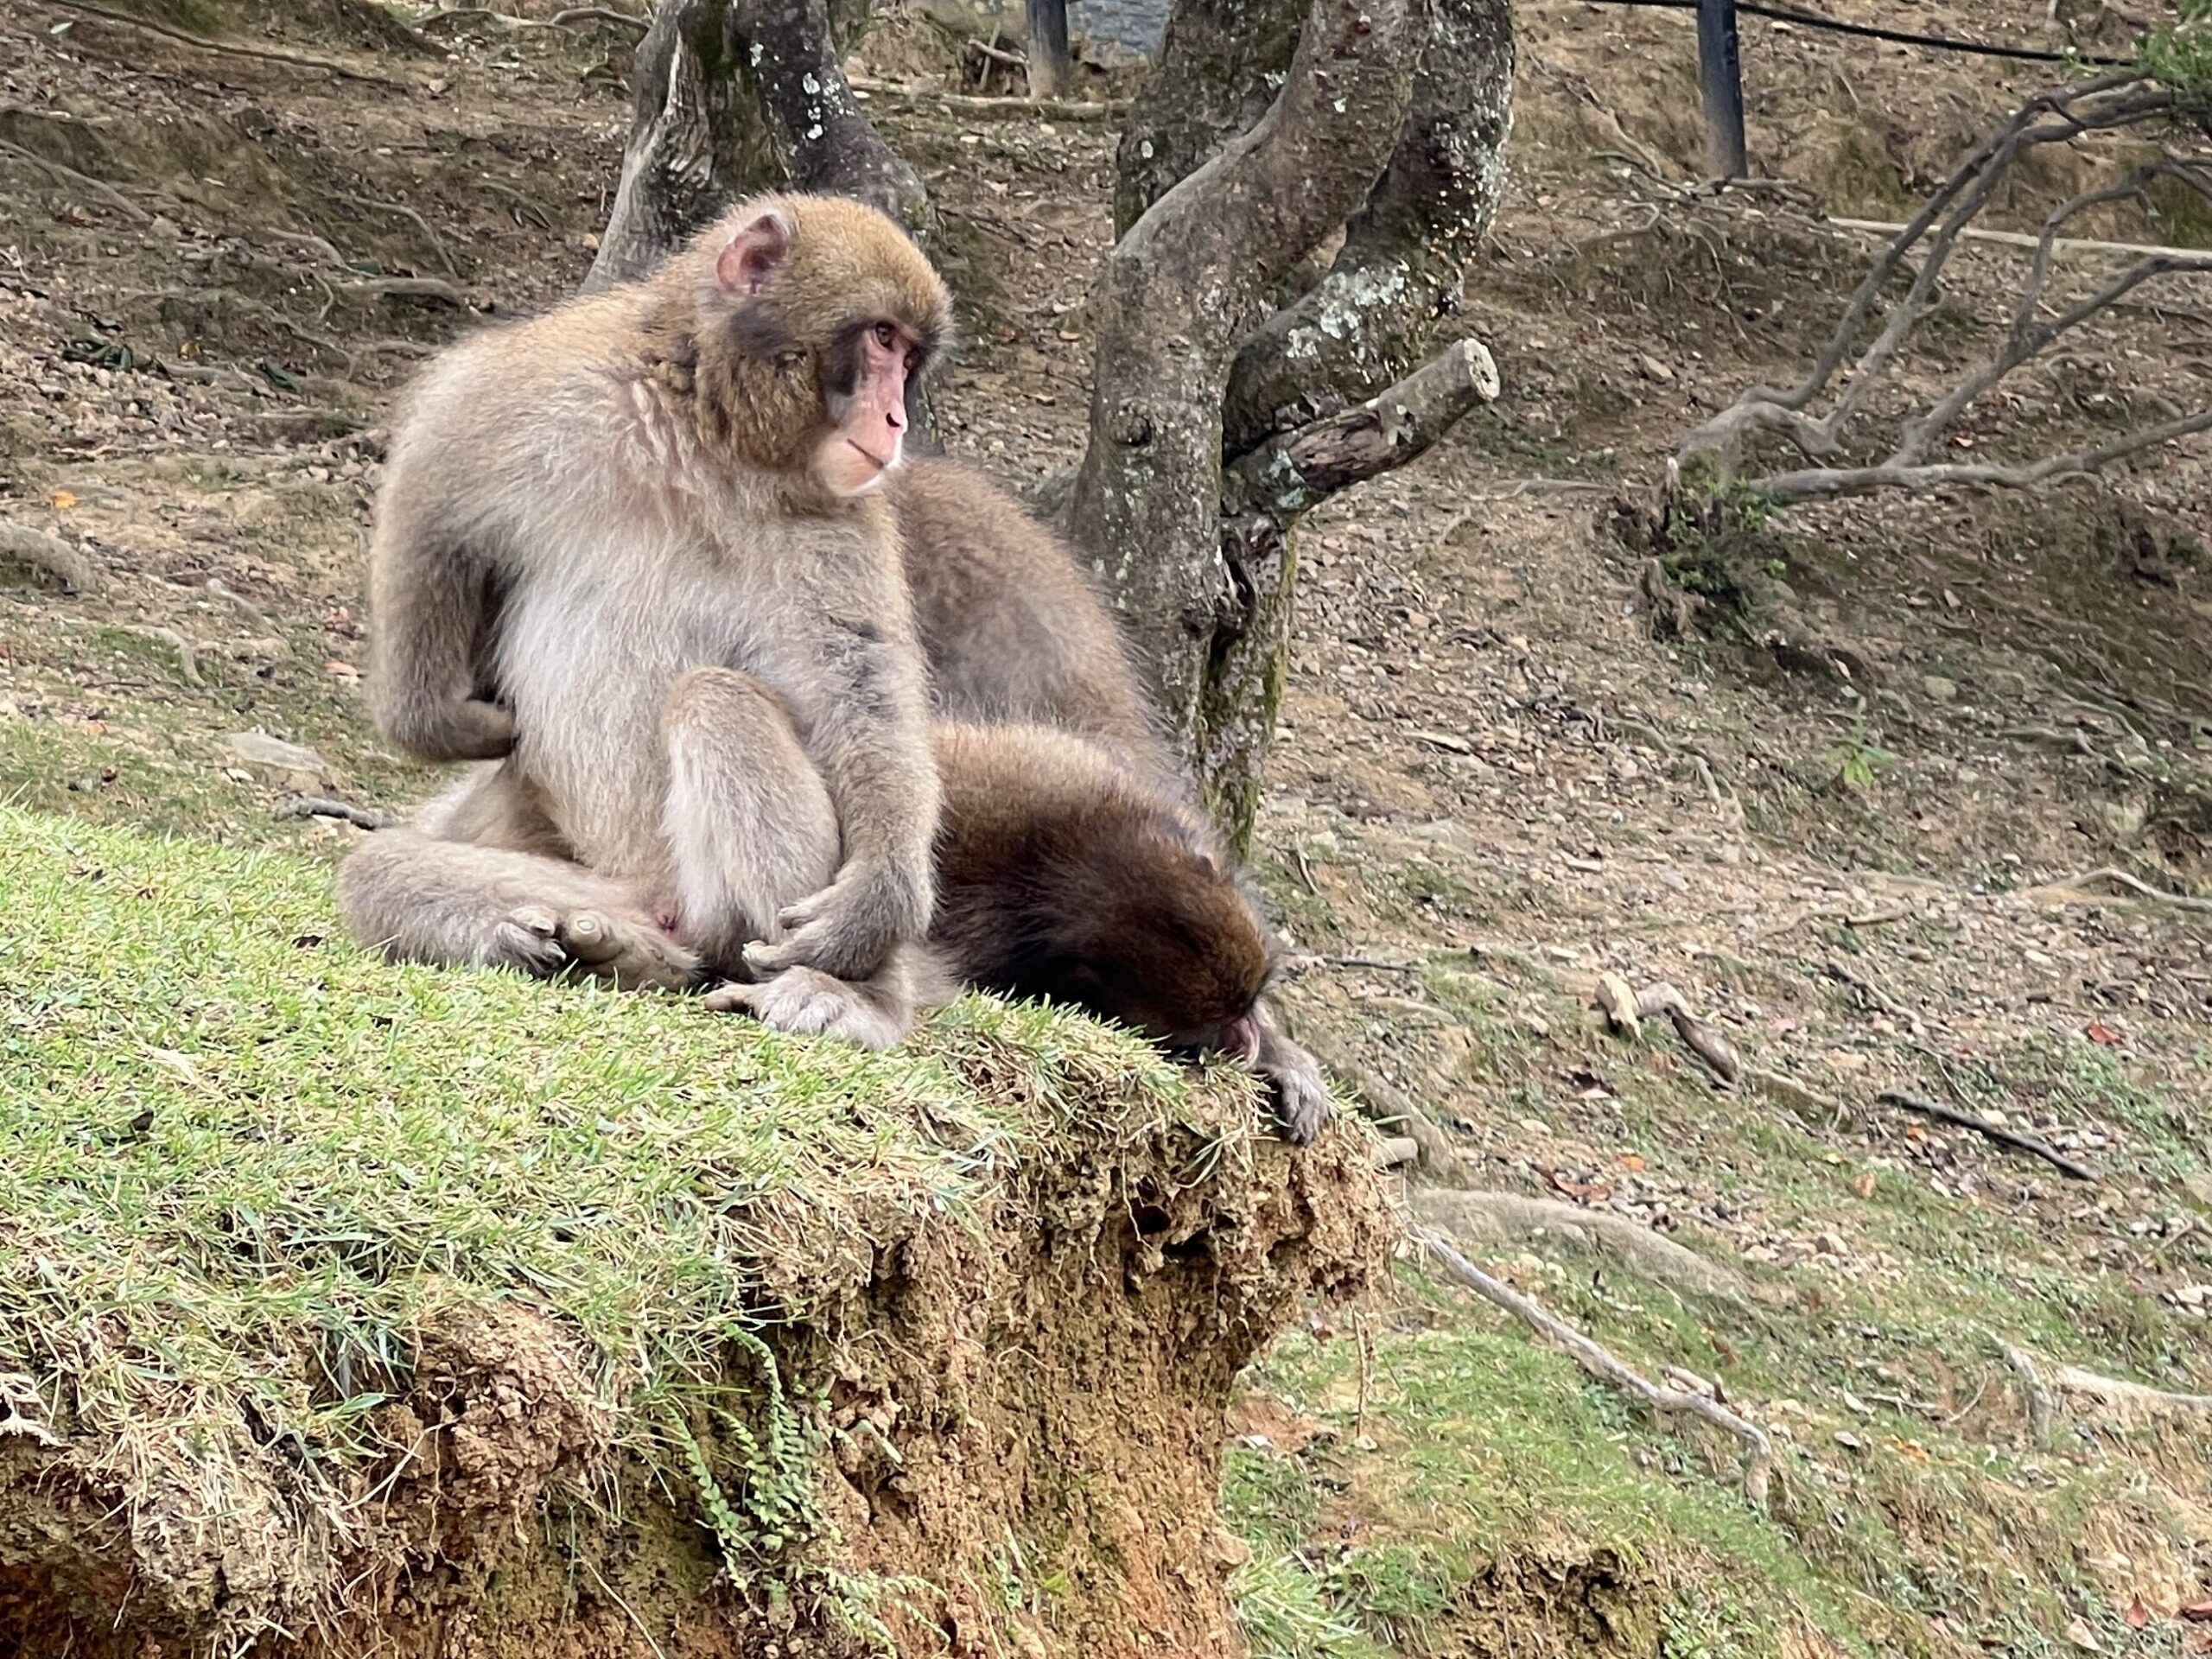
[1509, 1216]
[1392, 1109]
[234, 48]
[1602, 1364]
[2041, 1408]
[106, 192]
[2074, 887]
[50, 554]
[2130, 1401]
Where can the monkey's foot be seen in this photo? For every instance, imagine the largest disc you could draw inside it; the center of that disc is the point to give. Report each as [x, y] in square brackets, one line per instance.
[802, 1000]
[630, 950]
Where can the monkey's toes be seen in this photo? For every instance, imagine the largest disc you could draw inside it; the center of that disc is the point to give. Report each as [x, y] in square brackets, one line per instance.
[526, 942]
[590, 938]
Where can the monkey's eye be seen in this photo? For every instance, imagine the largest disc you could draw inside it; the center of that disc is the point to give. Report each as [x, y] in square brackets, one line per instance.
[886, 334]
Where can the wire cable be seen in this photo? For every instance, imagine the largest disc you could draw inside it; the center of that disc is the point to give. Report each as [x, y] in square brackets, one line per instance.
[1896, 36]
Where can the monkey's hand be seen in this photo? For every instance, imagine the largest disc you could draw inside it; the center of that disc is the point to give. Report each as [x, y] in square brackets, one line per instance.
[848, 928]
[1301, 1093]
[465, 728]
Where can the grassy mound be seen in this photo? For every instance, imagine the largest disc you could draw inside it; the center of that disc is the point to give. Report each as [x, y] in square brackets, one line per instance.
[316, 1273]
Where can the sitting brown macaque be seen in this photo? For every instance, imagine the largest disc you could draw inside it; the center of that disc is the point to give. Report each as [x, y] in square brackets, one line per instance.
[622, 542]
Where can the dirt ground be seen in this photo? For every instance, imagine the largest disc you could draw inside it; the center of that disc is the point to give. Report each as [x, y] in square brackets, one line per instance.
[1846, 827]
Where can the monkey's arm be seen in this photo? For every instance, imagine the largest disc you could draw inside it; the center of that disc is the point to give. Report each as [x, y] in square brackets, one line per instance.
[869, 737]
[430, 592]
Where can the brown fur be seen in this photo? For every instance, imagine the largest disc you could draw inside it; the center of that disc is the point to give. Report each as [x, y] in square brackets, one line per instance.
[1017, 634]
[1062, 874]
[1014, 629]
[581, 511]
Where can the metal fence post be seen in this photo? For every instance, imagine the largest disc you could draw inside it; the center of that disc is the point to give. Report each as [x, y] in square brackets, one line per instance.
[1720, 73]
[1050, 71]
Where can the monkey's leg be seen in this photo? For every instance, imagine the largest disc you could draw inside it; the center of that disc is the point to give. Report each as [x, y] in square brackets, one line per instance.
[751, 829]
[457, 905]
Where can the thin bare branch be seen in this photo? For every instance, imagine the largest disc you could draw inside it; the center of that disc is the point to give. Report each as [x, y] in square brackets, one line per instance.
[2121, 100]
[1815, 482]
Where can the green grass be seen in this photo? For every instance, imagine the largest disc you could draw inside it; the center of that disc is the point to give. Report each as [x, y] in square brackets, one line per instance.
[243, 1168]
[1458, 1487]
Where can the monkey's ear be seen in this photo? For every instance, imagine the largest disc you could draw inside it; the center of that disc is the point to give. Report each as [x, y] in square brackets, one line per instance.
[743, 265]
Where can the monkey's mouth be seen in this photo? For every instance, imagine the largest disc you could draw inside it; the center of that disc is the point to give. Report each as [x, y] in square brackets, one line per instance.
[869, 455]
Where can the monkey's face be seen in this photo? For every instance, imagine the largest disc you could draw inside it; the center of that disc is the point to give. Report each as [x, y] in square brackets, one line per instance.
[1181, 961]
[822, 312]
[864, 399]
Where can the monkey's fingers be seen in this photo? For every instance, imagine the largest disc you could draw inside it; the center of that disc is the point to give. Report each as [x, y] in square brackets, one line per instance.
[806, 1002]
[835, 942]
[1301, 1102]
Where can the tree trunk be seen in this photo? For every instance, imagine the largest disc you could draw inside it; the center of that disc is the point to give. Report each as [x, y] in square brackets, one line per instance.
[1178, 294]
[1405, 254]
[734, 97]
[1052, 70]
[1200, 554]
[1220, 65]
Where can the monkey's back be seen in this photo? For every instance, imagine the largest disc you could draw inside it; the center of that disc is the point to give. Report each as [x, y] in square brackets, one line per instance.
[1012, 627]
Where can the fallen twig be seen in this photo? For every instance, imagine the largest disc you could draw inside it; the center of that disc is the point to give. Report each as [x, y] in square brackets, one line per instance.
[50, 554]
[234, 48]
[2119, 878]
[317, 806]
[1996, 1132]
[1701, 1039]
[1627, 1009]
[1603, 1363]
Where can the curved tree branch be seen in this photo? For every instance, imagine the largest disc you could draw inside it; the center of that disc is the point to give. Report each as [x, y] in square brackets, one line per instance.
[1405, 252]
[1220, 65]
